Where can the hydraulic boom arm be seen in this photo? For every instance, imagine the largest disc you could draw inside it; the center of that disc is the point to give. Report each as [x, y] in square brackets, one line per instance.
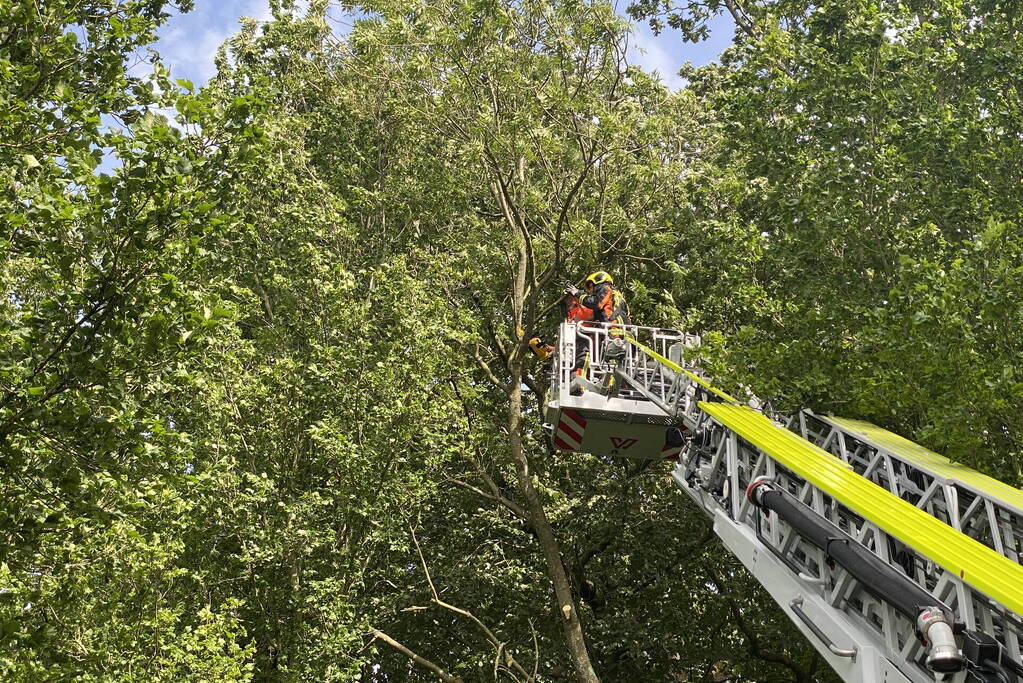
[895, 563]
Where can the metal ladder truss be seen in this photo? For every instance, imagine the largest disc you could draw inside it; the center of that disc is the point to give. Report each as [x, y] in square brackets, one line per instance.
[895, 563]
[968, 501]
[735, 446]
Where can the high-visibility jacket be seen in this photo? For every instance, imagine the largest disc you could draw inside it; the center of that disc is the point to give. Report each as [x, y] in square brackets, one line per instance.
[608, 305]
[575, 312]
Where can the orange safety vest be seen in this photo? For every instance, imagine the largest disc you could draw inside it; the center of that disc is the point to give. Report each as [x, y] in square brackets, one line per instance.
[608, 305]
[577, 313]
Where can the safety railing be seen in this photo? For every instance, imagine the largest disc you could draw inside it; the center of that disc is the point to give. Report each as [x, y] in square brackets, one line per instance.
[592, 347]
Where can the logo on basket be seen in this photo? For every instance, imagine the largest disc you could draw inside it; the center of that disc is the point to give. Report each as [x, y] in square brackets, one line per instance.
[622, 444]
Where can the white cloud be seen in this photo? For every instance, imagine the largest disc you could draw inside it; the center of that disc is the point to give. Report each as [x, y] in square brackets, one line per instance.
[652, 53]
[190, 54]
[189, 42]
[259, 10]
[200, 57]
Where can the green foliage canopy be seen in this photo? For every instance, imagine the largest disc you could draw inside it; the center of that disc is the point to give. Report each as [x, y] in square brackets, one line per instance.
[265, 411]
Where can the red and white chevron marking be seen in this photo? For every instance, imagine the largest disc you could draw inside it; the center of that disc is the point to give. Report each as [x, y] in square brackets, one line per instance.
[671, 453]
[569, 434]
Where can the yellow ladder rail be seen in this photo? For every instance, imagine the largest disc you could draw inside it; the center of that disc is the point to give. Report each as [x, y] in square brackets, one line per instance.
[979, 566]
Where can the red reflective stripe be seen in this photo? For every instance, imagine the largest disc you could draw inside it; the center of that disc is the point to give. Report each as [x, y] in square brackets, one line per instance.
[671, 453]
[567, 429]
[576, 417]
[560, 443]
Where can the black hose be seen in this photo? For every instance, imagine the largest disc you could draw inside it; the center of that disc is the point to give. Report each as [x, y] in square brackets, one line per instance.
[997, 669]
[1013, 666]
[875, 576]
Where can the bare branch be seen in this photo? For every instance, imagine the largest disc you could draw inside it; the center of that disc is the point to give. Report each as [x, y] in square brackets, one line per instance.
[503, 386]
[536, 649]
[753, 644]
[478, 462]
[515, 508]
[498, 644]
[513, 216]
[425, 663]
[740, 18]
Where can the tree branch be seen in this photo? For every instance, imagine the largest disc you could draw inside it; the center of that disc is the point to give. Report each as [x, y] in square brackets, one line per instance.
[740, 18]
[518, 511]
[752, 640]
[425, 663]
[503, 386]
[499, 645]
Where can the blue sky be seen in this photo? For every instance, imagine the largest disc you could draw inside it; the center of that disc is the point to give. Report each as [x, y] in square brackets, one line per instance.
[189, 42]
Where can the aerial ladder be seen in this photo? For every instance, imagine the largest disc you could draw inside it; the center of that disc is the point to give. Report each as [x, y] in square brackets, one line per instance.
[897, 564]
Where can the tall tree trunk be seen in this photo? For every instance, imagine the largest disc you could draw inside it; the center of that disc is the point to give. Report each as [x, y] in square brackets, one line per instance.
[568, 614]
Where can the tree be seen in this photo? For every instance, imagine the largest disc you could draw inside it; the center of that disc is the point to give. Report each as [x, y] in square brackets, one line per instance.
[377, 151]
[876, 171]
[102, 306]
[267, 409]
[408, 175]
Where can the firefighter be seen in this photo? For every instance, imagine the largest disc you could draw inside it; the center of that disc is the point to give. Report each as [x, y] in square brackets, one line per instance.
[574, 312]
[609, 307]
[606, 302]
[573, 309]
